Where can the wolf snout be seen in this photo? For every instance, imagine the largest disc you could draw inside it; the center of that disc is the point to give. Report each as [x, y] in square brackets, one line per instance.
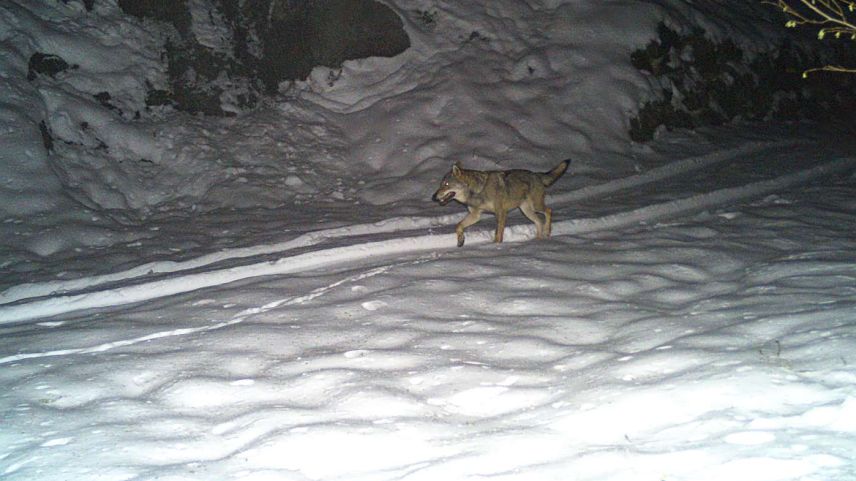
[443, 199]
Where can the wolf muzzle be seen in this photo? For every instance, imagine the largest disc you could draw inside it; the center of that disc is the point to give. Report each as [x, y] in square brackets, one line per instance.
[444, 199]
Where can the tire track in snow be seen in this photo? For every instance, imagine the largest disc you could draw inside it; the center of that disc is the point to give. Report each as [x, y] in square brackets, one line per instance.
[236, 319]
[32, 291]
[402, 245]
[671, 170]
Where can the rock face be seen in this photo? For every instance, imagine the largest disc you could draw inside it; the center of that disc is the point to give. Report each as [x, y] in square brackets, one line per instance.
[300, 35]
[46, 64]
[174, 12]
[260, 43]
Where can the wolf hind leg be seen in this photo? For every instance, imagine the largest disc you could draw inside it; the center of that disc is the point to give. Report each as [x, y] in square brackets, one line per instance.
[529, 211]
[548, 224]
[539, 206]
[501, 215]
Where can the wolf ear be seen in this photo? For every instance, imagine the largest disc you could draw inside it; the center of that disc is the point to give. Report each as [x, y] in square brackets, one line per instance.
[457, 171]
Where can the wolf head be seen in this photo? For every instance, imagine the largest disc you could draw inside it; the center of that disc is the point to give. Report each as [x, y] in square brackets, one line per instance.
[454, 186]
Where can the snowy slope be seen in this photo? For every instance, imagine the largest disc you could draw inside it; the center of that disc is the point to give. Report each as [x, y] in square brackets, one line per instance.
[499, 84]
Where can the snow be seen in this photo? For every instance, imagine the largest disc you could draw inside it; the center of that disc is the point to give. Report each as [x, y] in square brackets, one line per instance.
[322, 257]
[702, 349]
[274, 297]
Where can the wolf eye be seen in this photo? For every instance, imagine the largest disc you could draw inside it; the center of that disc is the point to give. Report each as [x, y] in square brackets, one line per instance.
[446, 184]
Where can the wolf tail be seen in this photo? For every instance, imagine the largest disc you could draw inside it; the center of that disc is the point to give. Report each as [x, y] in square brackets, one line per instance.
[549, 178]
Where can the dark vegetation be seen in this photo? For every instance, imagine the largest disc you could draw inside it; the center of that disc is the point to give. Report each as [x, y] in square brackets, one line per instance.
[703, 82]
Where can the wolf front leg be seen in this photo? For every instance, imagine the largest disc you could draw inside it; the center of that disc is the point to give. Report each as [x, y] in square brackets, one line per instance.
[467, 221]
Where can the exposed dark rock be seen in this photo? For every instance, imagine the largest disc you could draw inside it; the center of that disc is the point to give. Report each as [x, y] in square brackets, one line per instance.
[104, 98]
[174, 12]
[47, 138]
[427, 18]
[193, 72]
[272, 41]
[157, 97]
[46, 64]
[88, 4]
[300, 35]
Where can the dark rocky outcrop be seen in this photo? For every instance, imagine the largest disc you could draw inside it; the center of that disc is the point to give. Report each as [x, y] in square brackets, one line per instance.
[174, 12]
[87, 4]
[47, 138]
[301, 35]
[46, 64]
[271, 41]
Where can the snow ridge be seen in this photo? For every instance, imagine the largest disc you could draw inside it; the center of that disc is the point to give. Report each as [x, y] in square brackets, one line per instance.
[404, 245]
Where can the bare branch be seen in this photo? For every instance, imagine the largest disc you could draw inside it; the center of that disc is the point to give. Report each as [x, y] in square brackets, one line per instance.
[835, 19]
[829, 68]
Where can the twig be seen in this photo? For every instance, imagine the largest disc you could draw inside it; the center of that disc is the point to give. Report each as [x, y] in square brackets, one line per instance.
[832, 16]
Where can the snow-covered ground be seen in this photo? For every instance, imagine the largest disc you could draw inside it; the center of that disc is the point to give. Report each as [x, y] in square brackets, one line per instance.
[274, 296]
[712, 346]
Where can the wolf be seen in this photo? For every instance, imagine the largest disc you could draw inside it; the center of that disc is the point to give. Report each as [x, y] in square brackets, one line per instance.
[500, 191]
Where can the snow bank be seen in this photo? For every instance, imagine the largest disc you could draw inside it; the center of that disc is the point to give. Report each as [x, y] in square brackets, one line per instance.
[86, 136]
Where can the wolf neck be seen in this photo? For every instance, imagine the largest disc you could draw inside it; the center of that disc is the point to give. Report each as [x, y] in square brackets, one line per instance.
[475, 181]
[476, 195]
